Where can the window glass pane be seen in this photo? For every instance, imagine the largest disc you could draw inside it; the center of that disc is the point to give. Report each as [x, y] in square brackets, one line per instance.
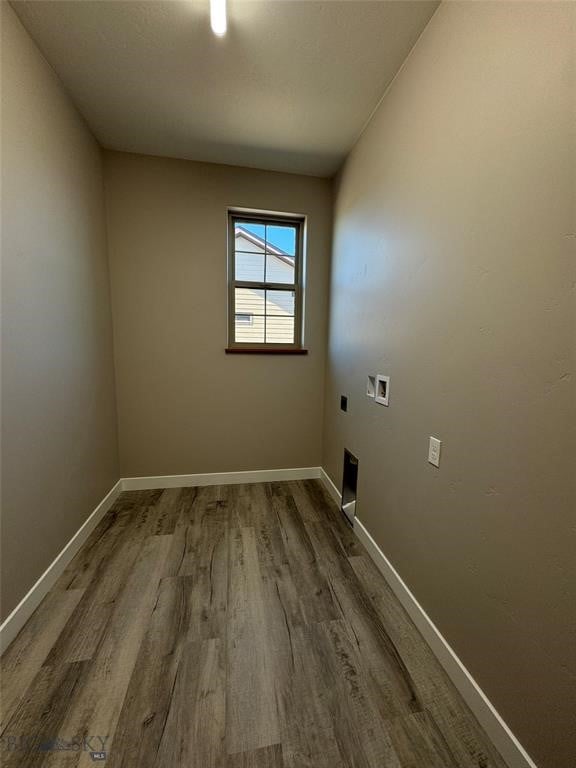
[279, 330]
[251, 332]
[279, 302]
[282, 238]
[249, 301]
[250, 266]
[280, 269]
[249, 237]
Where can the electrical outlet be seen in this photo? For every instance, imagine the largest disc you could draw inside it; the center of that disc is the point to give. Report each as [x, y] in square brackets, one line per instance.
[434, 451]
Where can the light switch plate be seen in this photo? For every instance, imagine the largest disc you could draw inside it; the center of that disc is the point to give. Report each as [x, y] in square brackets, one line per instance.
[434, 451]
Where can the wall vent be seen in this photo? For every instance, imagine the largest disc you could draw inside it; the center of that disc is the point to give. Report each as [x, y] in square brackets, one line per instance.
[349, 486]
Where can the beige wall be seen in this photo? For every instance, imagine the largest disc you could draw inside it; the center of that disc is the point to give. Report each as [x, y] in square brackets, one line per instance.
[59, 441]
[454, 273]
[184, 405]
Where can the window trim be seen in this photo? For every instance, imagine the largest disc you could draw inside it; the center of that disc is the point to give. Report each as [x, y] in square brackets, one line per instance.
[257, 217]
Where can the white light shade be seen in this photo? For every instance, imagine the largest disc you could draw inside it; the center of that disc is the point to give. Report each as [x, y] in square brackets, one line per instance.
[218, 17]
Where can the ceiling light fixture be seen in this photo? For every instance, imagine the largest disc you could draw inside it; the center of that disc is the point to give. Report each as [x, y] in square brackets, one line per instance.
[218, 17]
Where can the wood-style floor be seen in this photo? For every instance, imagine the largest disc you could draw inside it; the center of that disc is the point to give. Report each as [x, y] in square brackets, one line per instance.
[229, 626]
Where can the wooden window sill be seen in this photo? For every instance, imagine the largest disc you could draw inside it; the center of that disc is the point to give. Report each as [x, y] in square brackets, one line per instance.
[265, 351]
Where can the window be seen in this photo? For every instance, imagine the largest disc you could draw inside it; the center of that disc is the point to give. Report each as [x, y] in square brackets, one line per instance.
[265, 282]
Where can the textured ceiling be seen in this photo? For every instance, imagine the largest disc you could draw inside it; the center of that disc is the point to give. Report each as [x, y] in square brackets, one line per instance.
[289, 88]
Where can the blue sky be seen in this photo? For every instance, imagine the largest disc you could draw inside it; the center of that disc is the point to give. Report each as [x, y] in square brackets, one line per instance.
[282, 237]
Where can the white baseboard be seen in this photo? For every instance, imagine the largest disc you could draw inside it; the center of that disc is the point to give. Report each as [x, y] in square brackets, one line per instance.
[493, 724]
[219, 478]
[330, 487]
[26, 607]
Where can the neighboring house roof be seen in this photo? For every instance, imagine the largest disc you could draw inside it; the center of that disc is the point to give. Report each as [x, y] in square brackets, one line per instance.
[268, 247]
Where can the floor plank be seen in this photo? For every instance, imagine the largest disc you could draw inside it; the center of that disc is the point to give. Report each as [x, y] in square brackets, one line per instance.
[145, 709]
[418, 742]
[83, 632]
[266, 757]
[311, 583]
[252, 719]
[35, 727]
[28, 652]
[80, 572]
[385, 667]
[194, 733]
[97, 704]
[199, 551]
[354, 701]
[308, 737]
